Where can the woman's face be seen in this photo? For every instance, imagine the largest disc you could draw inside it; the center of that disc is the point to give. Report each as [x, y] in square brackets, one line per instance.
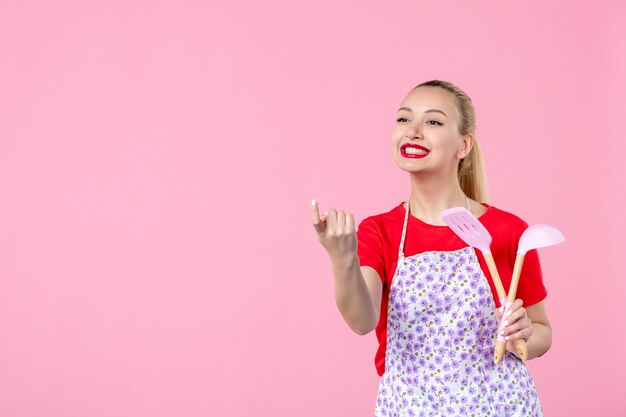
[425, 136]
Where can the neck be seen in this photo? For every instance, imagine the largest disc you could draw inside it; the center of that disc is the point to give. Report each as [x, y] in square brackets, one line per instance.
[430, 195]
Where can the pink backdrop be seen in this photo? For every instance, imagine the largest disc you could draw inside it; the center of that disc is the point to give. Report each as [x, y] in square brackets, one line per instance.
[158, 159]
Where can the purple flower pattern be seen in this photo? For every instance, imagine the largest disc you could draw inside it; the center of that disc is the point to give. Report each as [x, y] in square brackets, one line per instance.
[440, 340]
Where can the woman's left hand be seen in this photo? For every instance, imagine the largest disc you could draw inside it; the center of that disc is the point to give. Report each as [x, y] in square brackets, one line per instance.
[517, 325]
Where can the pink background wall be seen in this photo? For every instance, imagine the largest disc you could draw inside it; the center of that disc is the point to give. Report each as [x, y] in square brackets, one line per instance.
[158, 159]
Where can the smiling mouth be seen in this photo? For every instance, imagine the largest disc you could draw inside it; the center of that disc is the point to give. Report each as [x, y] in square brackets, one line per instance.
[413, 151]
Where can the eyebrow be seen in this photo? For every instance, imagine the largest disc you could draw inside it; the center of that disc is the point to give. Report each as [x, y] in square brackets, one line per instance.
[427, 111]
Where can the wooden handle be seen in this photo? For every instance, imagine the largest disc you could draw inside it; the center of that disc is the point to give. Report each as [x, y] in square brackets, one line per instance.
[521, 348]
[495, 276]
[520, 345]
[500, 348]
[517, 271]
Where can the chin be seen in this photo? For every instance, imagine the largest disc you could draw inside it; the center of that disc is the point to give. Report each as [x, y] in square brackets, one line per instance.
[407, 166]
[411, 170]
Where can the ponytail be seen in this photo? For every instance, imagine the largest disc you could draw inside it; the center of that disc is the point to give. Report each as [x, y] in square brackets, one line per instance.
[472, 176]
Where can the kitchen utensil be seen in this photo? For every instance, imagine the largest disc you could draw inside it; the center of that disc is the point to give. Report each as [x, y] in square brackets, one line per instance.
[534, 237]
[475, 234]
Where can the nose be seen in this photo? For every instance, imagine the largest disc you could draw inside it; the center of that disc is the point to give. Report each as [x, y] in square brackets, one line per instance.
[413, 132]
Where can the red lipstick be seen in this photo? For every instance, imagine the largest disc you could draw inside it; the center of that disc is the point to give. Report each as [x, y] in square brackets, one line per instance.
[413, 155]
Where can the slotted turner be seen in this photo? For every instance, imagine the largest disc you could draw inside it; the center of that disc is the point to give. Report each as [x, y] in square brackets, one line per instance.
[474, 233]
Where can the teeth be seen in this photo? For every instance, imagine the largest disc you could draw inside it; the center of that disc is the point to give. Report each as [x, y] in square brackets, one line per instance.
[415, 151]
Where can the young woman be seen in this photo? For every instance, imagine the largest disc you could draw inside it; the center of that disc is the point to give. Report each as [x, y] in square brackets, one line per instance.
[428, 295]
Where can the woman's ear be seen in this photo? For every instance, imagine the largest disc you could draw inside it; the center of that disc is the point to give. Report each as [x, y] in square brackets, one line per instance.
[468, 143]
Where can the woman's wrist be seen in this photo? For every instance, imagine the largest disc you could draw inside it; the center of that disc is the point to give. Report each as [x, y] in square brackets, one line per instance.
[540, 341]
[345, 261]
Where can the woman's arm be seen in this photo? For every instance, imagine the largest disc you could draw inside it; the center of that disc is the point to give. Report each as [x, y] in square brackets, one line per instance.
[358, 292]
[357, 289]
[541, 338]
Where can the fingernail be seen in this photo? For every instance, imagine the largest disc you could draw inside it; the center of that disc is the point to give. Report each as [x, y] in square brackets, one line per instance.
[313, 202]
[325, 213]
[502, 332]
[506, 338]
[508, 313]
[501, 309]
[505, 322]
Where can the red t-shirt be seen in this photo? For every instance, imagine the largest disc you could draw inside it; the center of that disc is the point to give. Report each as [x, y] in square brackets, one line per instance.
[379, 240]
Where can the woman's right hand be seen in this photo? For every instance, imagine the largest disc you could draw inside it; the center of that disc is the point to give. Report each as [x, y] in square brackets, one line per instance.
[335, 231]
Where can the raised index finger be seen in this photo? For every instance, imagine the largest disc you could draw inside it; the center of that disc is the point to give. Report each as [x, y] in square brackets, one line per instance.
[315, 217]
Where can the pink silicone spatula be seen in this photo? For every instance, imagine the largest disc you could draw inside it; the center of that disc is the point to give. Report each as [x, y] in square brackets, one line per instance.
[534, 237]
[474, 233]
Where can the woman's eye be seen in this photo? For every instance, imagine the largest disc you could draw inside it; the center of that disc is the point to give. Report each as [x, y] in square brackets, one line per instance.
[403, 119]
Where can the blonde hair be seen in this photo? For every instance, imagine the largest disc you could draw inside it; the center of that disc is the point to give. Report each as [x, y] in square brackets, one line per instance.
[471, 171]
